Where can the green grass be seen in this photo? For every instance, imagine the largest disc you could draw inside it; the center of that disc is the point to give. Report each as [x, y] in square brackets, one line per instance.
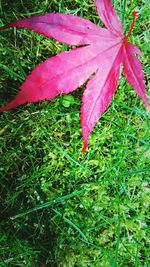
[59, 206]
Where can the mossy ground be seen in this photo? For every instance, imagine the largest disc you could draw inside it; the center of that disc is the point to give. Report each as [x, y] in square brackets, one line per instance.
[74, 209]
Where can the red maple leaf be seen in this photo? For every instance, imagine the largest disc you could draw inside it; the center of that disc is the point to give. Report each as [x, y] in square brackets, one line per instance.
[102, 53]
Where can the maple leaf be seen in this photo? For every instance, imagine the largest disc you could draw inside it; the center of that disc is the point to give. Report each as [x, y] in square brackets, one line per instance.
[103, 51]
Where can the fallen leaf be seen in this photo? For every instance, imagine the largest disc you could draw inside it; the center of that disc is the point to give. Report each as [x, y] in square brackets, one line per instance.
[100, 57]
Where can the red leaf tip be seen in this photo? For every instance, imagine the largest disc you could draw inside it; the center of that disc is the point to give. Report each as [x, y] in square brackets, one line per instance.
[84, 147]
[5, 26]
[2, 27]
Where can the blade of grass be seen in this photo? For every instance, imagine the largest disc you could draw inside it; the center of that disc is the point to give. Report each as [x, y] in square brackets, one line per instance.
[73, 225]
[69, 157]
[12, 73]
[117, 241]
[49, 204]
[123, 13]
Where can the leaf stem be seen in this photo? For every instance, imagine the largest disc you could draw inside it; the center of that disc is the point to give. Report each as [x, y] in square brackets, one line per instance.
[135, 15]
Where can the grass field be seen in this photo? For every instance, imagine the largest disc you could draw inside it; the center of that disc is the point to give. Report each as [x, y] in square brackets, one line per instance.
[61, 207]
